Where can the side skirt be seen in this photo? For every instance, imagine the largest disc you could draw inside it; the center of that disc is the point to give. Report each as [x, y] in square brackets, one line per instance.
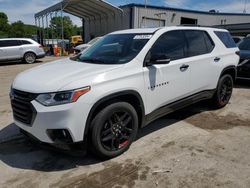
[242, 78]
[177, 105]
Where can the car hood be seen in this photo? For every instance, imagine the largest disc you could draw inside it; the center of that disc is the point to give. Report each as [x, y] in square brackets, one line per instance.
[54, 76]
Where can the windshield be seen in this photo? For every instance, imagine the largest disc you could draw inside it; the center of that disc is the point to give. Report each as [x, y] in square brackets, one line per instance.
[115, 49]
[93, 40]
[245, 44]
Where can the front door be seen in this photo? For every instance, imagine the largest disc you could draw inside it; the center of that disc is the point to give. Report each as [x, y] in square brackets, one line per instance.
[2, 51]
[167, 83]
[13, 49]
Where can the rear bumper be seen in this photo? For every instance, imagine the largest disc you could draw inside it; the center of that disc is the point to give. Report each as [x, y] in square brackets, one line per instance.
[40, 56]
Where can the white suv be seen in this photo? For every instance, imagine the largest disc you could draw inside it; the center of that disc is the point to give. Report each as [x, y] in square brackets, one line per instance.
[120, 84]
[14, 49]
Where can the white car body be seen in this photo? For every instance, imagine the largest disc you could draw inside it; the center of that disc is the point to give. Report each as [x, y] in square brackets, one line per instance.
[12, 49]
[156, 85]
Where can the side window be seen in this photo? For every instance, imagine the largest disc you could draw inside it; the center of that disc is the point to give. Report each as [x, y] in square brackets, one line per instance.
[9, 43]
[209, 42]
[25, 42]
[2, 43]
[226, 38]
[14, 43]
[198, 43]
[171, 44]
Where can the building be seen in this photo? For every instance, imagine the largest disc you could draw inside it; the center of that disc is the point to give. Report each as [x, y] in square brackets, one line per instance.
[100, 17]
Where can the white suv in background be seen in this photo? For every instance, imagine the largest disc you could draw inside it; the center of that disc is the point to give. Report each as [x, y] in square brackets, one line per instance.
[14, 49]
[122, 83]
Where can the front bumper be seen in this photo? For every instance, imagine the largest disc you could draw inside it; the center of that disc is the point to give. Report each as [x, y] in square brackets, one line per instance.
[68, 119]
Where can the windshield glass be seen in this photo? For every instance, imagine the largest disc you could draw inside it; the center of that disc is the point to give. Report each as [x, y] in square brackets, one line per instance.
[245, 44]
[93, 40]
[115, 49]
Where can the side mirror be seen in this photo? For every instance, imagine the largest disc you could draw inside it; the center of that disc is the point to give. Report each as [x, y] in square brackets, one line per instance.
[157, 59]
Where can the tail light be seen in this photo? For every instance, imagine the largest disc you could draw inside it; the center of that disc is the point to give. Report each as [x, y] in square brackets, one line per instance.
[40, 46]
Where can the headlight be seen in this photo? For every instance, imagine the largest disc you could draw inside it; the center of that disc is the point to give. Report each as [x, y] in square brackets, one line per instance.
[64, 97]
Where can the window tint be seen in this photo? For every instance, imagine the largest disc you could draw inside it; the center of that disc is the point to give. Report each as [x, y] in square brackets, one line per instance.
[236, 40]
[209, 42]
[226, 38]
[25, 42]
[199, 43]
[9, 43]
[1, 43]
[196, 43]
[171, 44]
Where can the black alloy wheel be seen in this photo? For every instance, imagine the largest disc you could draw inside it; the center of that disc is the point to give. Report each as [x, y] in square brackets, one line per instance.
[224, 91]
[114, 129]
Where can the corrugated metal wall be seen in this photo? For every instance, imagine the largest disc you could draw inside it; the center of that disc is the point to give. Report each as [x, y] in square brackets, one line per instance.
[134, 17]
[173, 18]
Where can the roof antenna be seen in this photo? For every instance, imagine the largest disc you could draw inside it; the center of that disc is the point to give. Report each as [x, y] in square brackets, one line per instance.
[245, 7]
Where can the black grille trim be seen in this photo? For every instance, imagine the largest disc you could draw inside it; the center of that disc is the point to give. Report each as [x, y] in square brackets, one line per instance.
[23, 110]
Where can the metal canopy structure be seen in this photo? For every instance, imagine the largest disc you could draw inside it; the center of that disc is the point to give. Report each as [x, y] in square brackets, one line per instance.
[87, 10]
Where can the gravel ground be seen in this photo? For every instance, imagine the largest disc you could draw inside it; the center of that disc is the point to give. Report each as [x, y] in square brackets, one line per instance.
[194, 147]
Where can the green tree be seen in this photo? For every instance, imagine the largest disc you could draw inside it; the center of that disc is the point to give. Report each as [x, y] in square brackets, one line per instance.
[68, 27]
[30, 30]
[17, 29]
[4, 26]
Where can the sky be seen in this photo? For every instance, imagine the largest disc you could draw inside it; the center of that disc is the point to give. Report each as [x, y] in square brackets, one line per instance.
[24, 10]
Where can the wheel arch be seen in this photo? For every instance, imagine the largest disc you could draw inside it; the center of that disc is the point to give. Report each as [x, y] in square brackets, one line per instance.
[231, 70]
[130, 96]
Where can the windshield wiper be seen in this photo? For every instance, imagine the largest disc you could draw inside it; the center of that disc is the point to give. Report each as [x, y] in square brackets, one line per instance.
[93, 60]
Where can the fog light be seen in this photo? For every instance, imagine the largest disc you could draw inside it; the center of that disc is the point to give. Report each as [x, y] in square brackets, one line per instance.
[60, 135]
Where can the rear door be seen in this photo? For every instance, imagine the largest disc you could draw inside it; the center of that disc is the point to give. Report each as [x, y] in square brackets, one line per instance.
[13, 49]
[203, 64]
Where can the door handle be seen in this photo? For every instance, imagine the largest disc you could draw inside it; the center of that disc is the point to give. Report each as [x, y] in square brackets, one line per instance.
[184, 67]
[217, 59]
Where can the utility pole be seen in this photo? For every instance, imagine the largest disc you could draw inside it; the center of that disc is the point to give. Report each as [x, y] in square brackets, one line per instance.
[146, 13]
[245, 7]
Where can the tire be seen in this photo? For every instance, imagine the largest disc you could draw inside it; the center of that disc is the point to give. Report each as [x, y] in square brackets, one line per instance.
[29, 57]
[224, 91]
[113, 130]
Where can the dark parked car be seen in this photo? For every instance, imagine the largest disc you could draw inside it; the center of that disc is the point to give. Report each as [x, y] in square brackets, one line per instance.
[238, 39]
[244, 64]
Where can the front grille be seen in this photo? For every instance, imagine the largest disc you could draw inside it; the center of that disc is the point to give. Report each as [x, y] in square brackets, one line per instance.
[23, 110]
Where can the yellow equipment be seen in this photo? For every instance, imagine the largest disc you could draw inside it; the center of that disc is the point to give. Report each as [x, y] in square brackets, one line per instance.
[77, 39]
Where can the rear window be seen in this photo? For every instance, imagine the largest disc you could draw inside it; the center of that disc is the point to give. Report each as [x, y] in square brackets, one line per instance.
[226, 38]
